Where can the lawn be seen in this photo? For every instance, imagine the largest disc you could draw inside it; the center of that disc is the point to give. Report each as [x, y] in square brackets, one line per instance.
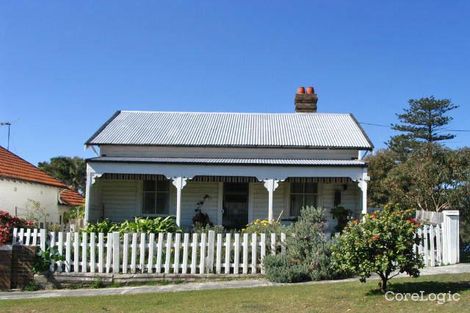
[337, 297]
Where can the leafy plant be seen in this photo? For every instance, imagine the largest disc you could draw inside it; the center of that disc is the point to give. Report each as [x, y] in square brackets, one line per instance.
[150, 225]
[382, 244]
[138, 225]
[105, 226]
[44, 259]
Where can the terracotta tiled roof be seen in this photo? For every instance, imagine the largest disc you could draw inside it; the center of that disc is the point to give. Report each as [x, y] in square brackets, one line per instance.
[71, 197]
[12, 166]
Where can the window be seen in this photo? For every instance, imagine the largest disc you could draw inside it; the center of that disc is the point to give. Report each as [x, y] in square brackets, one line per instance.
[156, 197]
[301, 195]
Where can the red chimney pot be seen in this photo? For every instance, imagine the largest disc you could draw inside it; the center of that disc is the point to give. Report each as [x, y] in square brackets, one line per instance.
[310, 91]
[300, 90]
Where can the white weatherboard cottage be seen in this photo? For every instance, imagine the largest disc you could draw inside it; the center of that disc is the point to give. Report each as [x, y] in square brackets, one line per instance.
[246, 166]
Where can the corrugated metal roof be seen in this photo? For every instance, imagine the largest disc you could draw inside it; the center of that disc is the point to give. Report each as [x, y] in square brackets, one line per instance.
[314, 130]
[232, 161]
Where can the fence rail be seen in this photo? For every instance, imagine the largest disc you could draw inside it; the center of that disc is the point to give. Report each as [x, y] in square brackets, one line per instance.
[162, 253]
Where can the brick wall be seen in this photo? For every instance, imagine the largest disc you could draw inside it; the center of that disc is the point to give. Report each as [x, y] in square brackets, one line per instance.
[16, 264]
[5, 267]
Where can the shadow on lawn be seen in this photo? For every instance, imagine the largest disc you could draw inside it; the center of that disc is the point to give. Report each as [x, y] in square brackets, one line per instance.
[426, 286]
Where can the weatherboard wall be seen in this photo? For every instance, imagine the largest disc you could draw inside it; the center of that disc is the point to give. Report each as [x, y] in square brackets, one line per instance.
[119, 200]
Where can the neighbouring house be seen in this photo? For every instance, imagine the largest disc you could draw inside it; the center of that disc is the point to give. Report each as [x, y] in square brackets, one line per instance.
[26, 191]
[237, 167]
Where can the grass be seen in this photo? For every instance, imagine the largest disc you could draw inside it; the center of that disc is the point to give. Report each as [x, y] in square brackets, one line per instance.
[337, 297]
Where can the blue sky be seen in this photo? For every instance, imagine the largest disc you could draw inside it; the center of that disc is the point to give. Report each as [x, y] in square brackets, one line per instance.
[66, 66]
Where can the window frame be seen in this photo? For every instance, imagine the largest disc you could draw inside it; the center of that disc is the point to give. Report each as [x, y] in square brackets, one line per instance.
[156, 192]
[315, 194]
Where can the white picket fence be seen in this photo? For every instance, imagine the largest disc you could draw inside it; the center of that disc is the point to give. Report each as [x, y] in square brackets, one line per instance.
[440, 238]
[430, 245]
[205, 253]
[162, 253]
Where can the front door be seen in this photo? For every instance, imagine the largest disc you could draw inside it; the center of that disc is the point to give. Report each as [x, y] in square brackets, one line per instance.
[235, 205]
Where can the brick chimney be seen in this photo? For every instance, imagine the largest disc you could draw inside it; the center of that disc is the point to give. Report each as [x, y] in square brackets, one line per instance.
[306, 100]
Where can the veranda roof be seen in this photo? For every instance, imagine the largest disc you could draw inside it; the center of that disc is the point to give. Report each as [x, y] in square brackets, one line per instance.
[232, 161]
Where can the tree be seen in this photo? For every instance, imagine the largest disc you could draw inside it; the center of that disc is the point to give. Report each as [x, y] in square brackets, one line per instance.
[379, 166]
[382, 244]
[460, 197]
[70, 170]
[422, 122]
[424, 181]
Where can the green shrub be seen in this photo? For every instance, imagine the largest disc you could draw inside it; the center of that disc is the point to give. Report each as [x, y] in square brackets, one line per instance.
[382, 244]
[308, 251]
[308, 244]
[278, 269]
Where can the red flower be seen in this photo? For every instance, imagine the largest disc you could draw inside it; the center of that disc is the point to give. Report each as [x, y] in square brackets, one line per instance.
[7, 223]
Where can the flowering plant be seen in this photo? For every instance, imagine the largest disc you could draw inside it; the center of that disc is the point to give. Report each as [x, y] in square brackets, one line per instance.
[382, 243]
[7, 223]
[263, 226]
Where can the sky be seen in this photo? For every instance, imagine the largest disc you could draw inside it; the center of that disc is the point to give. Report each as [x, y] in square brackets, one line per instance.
[67, 66]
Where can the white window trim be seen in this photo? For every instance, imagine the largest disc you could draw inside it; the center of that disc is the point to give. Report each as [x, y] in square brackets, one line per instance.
[289, 194]
[154, 214]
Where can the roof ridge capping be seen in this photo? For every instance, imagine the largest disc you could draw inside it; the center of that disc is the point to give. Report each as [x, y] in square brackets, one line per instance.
[228, 113]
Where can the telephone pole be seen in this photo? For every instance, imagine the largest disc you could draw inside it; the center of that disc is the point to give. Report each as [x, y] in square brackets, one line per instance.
[8, 124]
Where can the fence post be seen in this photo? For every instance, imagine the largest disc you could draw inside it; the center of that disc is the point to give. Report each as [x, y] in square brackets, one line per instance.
[116, 245]
[15, 235]
[450, 237]
[43, 237]
[210, 251]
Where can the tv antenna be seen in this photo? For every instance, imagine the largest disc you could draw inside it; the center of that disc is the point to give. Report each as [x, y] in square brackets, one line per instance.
[8, 124]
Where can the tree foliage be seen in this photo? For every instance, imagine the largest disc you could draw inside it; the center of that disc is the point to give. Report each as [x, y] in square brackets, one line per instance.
[70, 170]
[424, 181]
[422, 122]
[382, 244]
[379, 166]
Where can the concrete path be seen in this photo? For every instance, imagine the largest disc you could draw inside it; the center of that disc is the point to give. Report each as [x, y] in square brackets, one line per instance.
[248, 283]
